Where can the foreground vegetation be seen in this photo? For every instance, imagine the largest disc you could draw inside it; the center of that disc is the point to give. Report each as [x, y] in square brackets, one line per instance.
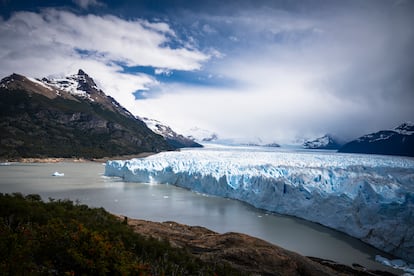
[65, 238]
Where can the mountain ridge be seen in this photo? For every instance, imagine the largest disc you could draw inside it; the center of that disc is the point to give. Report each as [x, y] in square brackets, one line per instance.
[68, 117]
[324, 142]
[173, 138]
[398, 141]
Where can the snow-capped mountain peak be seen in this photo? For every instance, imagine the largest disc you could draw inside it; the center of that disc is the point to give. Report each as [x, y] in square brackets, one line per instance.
[79, 84]
[406, 128]
[91, 126]
[398, 141]
[82, 85]
[324, 142]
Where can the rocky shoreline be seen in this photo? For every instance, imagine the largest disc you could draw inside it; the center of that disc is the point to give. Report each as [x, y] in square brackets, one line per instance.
[251, 256]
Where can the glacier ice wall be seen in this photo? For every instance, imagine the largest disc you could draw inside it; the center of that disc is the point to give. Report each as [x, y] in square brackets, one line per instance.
[369, 197]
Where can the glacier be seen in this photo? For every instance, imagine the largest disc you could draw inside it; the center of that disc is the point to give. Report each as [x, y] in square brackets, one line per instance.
[370, 197]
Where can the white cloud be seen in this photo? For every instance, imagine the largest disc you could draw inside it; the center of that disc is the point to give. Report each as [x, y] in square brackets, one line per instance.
[85, 4]
[135, 42]
[345, 72]
[60, 42]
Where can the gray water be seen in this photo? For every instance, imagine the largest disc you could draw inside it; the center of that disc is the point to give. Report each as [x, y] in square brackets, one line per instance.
[158, 202]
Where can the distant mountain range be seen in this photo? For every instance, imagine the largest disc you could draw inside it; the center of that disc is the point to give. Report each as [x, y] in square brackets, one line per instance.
[68, 117]
[325, 142]
[71, 117]
[174, 139]
[206, 136]
[399, 141]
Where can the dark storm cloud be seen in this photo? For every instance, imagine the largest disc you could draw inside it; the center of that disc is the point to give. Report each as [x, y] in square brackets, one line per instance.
[306, 68]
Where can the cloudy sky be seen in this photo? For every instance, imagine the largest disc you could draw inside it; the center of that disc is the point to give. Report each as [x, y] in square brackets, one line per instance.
[274, 70]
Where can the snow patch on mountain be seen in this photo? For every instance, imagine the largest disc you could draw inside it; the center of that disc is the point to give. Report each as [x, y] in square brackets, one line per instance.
[403, 129]
[80, 85]
[40, 83]
[406, 128]
[369, 197]
[324, 142]
[70, 87]
[71, 84]
[174, 139]
[158, 127]
[399, 141]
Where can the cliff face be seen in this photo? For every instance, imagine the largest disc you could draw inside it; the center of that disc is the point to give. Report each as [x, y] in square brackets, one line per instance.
[42, 119]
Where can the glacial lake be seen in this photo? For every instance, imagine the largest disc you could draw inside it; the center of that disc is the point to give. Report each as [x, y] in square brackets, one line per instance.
[86, 183]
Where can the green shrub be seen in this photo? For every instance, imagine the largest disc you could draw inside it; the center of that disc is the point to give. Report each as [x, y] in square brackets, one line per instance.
[60, 237]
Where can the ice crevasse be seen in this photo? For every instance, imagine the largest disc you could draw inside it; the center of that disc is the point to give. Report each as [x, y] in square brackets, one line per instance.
[369, 197]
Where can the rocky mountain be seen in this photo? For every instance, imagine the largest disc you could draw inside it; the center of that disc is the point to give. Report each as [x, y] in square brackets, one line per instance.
[83, 86]
[174, 139]
[399, 141]
[324, 142]
[68, 117]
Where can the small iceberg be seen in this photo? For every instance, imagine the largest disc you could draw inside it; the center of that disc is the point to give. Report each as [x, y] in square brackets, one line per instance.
[58, 174]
